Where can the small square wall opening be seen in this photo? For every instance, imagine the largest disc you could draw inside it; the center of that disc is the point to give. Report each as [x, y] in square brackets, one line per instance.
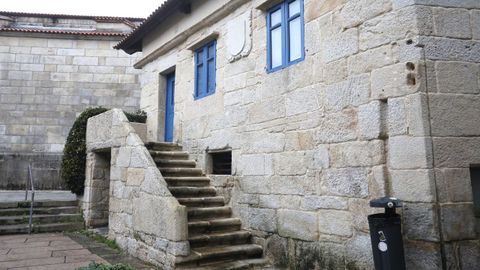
[475, 178]
[220, 162]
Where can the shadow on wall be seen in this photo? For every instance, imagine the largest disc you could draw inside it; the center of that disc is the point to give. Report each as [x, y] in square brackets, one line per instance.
[45, 170]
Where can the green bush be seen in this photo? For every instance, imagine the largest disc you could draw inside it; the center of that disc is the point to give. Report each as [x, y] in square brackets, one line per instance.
[137, 117]
[96, 266]
[74, 153]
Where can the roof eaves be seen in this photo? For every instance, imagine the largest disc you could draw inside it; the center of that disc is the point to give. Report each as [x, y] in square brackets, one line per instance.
[68, 16]
[133, 42]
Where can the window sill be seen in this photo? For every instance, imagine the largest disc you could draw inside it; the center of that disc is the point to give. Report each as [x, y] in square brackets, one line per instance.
[286, 66]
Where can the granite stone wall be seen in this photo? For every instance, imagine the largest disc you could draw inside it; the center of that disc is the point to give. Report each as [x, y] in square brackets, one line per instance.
[45, 82]
[125, 189]
[385, 103]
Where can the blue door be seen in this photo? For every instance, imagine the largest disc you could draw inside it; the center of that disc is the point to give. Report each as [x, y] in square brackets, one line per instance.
[169, 103]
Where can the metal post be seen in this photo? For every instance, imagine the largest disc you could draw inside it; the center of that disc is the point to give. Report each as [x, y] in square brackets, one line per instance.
[32, 202]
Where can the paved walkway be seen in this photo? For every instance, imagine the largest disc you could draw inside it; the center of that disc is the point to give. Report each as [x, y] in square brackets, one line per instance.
[56, 251]
[40, 195]
[43, 251]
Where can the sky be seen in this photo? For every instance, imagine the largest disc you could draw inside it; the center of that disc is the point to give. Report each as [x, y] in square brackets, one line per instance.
[125, 8]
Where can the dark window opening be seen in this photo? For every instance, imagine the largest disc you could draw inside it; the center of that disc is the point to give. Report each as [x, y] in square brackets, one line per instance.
[475, 178]
[221, 162]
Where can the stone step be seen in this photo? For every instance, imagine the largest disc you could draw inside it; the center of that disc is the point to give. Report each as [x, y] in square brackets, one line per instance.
[39, 211]
[41, 219]
[189, 192]
[163, 146]
[248, 264]
[180, 172]
[41, 228]
[190, 181]
[220, 238]
[178, 163]
[208, 255]
[208, 213]
[214, 225]
[177, 155]
[25, 204]
[202, 201]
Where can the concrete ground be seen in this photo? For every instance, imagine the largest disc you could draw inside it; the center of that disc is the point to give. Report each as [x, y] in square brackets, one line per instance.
[40, 195]
[57, 251]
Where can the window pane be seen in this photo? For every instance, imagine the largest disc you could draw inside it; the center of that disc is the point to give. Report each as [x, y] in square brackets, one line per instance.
[200, 56]
[295, 39]
[211, 51]
[276, 51]
[211, 76]
[200, 80]
[276, 17]
[293, 8]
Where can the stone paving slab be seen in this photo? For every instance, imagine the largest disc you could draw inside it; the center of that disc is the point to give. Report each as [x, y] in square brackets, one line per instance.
[43, 251]
[58, 251]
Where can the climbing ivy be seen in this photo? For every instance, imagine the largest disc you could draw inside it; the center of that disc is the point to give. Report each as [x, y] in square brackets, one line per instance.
[74, 153]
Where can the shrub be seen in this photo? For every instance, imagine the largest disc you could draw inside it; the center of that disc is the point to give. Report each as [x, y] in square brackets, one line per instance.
[138, 116]
[96, 266]
[74, 153]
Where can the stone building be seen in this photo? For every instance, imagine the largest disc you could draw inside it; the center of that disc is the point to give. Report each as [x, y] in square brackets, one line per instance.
[52, 67]
[321, 106]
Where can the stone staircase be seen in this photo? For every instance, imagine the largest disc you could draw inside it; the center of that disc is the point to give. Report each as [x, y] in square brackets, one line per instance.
[216, 238]
[48, 216]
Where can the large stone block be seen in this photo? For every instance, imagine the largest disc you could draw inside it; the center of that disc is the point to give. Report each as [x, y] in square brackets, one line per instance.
[422, 255]
[267, 110]
[331, 37]
[396, 117]
[409, 152]
[456, 152]
[356, 12]
[255, 164]
[160, 216]
[358, 253]
[396, 25]
[448, 49]
[338, 127]
[263, 142]
[335, 222]
[453, 185]
[369, 60]
[458, 222]
[258, 218]
[314, 10]
[392, 81]
[457, 77]
[370, 120]
[476, 24]
[454, 115]
[324, 202]
[357, 154]
[352, 92]
[420, 222]
[452, 23]
[290, 163]
[464, 253]
[298, 224]
[350, 182]
[302, 101]
[413, 185]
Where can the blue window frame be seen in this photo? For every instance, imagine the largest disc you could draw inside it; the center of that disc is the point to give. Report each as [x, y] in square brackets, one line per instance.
[285, 35]
[205, 70]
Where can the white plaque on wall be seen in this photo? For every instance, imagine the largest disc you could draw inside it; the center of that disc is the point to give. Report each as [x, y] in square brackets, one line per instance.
[239, 36]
